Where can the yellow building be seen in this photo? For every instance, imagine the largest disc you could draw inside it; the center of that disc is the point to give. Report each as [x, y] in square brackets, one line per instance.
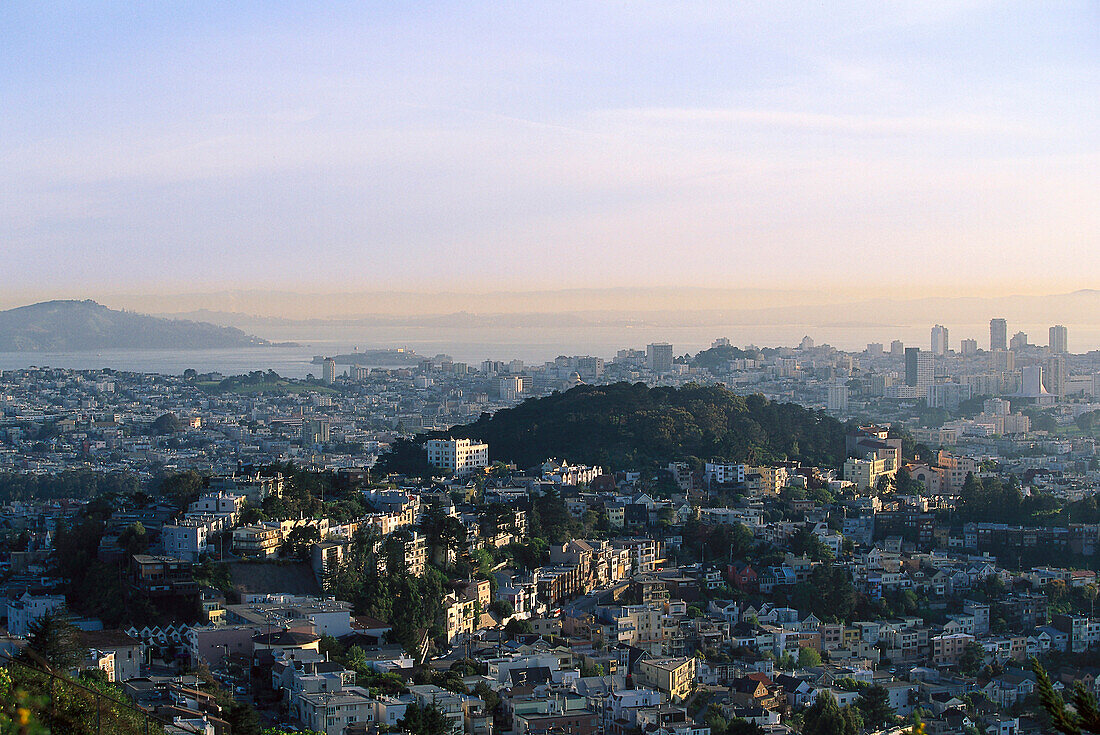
[864, 473]
[673, 676]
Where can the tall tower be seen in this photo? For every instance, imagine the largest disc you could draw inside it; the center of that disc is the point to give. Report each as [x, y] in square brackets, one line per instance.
[1059, 340]
[1054, 377]
[919, 369]
[659, 357]
[328, 371]
[998, 334]
[939, 340]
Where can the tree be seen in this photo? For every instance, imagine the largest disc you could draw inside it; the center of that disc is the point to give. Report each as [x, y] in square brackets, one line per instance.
[242, 719]
[53, 639]
[501, 608]
[300, 541]
[903, 481]
[805, 541]
[134, 539]
[167, 423]
[737, 726]
[873, 704]
[428, 720]
[972, 659]
[826, 717]
[516, 626]
[808, 658]
[1087, 715]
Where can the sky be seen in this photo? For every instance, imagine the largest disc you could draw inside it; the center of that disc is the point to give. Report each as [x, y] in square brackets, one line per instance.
[865, 147]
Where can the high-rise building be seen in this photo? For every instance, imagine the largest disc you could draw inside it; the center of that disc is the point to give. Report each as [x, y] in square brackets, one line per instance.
[838, 398]
[590, 368]
[919, 369]
[968, 347]
[328, 371]
[874, 349]
[897, 348]
[939, 340]
[458, 456]
[659, 357]
[1059, 340]
[998, 334]
[1002, 360]
[511, 387]
[1018, 341]
[1054, 377]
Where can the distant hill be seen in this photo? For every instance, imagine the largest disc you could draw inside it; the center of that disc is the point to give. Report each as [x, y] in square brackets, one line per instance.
[53, 326]
[624, 425]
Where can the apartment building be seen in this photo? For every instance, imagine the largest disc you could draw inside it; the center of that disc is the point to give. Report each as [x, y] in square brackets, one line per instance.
[459, 457]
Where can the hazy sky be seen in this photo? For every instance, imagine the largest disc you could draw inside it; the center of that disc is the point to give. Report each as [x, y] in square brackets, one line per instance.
[192, 145]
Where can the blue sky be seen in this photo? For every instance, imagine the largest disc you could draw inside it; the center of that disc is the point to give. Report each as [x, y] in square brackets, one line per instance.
[869, 146]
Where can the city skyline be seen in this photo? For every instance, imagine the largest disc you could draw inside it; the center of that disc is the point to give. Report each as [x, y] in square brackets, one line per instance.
[152, 149]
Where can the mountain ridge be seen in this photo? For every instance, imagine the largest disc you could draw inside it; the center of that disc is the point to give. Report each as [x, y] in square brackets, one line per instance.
[74, 325]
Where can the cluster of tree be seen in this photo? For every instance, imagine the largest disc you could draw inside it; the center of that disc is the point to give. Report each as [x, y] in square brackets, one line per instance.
[165, 424]
[826, 717]
[429, 720]
[65, 484]
[716, 360]
[804, 542]
[828, 593]
[417, 601]
[624, 425]
[720, 543]
[1089, 422]
[95, 588]
[990, 499]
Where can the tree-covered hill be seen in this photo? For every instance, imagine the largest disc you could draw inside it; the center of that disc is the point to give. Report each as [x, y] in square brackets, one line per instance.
[624, 425]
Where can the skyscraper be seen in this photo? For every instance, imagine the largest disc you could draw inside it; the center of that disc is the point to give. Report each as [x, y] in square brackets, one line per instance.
[1054, 377]
[968, 347]
[998, 334]
[1059, 340]
[897, 348]
[328, 371]
[1018, 341]
[939, 340]
[919, 369]
[659, 357]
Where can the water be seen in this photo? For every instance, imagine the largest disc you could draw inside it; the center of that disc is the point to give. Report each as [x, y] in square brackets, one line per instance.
[534, 346]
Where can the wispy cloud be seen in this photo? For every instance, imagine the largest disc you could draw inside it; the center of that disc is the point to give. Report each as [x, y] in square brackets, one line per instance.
[950, 123]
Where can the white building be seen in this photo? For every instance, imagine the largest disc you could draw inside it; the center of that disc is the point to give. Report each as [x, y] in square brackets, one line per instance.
[723, 474]
[838, 398]
[186, 540]
[939, 340]
[217, 502]
[458, 456]
[659, 357]
[29, 608]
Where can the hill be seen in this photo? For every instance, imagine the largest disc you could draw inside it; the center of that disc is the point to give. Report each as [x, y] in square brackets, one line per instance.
[624, 425]
[85, 325]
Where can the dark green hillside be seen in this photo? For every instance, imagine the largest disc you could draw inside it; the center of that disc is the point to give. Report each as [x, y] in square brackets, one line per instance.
[624, 425]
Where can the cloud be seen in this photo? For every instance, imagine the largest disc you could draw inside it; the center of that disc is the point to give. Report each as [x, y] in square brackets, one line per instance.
[953, 123]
